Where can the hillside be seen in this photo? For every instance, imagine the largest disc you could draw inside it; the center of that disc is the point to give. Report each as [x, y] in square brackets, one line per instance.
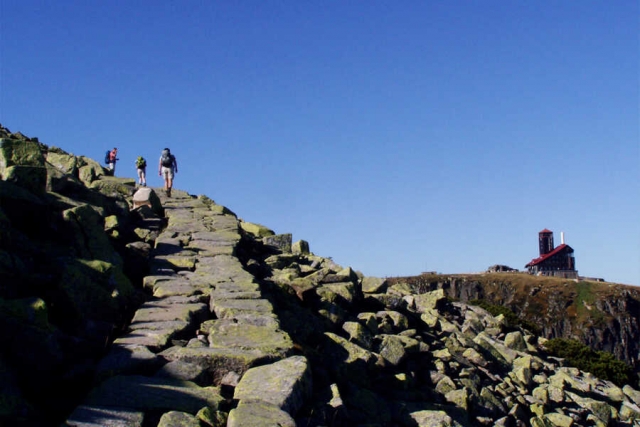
[605, 316]
[122, 307]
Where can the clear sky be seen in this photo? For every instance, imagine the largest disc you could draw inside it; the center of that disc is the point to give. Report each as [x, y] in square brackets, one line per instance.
[394, 137]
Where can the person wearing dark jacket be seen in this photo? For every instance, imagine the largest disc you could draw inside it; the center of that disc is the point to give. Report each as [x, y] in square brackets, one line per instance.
[113, 158]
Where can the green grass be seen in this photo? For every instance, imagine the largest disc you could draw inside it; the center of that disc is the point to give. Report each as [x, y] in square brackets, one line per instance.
[584, 296]
[585, 303]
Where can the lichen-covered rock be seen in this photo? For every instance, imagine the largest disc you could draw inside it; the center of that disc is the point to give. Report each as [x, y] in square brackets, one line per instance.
[459, 397]
[499, 351]
[86, 232]
[370, 320]
[345, 275]
[178, 419]
[522, 371]
[128, 360]
[373, 285]
[428, 301]
[186, 371]
[285, 384]
[113, 186]
[218, 361]
[348, 359]
[280, 242]
[515, 340]
[95, 290]
[358, 333]
[256, 230]
[259, 414]
[211, 417]
[342, 294]
[558, 420]
[399, 321]
[65, 163]
[300, 247]
[230, 308]
[174, 262]
[22, 162]
[263, 339]
[110, 416]
[401, 289]
[433, 418]
[392, 349]
[630, 412]
[20, 151]
[89, 170]
[153, 393]
[332, 314]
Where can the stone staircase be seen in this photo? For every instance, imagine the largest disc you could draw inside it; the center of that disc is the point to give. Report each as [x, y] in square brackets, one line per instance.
[206, 346]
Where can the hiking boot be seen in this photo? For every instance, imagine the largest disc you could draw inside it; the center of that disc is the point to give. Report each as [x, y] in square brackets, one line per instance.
[169, 192]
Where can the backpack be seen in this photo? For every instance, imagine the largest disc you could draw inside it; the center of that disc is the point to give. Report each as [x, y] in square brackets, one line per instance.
[141, 163]
[107, 157]
[167, 159]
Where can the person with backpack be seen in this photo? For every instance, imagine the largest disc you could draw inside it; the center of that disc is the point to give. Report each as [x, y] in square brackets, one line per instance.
[167, 168]
[141, 166]
[111, 159]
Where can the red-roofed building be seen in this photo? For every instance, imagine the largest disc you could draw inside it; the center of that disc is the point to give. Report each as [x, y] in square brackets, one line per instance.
[553, 261]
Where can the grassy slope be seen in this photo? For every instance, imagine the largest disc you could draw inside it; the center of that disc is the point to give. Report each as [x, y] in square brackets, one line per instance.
[588, 311]
[532, 294]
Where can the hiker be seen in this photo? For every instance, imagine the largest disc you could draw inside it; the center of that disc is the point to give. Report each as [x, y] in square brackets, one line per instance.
[113, 158]
[141, 166]
[167, 168]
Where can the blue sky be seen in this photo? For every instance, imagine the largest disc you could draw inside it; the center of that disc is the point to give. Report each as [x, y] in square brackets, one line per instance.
[394, 137]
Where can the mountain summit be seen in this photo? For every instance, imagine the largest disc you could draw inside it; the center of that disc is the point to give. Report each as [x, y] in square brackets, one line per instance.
[122, 307]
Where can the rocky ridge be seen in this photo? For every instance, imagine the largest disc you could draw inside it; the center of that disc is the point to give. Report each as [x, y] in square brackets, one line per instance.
[218, 321]
[605, 316]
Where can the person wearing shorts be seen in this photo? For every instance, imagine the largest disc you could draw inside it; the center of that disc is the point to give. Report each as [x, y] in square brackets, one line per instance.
[141, 169]
[167, 168]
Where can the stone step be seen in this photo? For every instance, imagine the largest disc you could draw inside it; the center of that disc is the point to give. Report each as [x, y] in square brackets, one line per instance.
[137, 392]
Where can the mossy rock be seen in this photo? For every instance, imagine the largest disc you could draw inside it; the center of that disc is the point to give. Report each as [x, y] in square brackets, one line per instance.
[86, 227]
[96, 289]
[113, 186]
[65, 163]
[256, 229]
[20, 152]
[89, 171]
[265, 339]
[347, 360]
